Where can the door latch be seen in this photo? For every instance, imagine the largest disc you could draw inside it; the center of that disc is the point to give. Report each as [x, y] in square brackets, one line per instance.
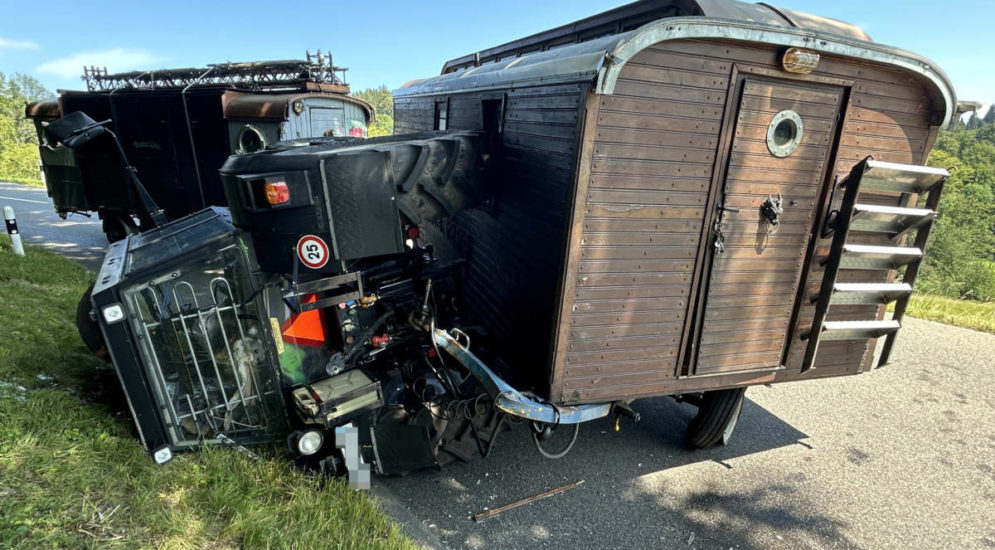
[772, 209]
[720, 238]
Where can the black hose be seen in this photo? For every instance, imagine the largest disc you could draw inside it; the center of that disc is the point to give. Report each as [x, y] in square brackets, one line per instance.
[561, 454]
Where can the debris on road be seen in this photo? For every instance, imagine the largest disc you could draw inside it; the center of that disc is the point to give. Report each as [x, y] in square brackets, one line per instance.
[491, 513]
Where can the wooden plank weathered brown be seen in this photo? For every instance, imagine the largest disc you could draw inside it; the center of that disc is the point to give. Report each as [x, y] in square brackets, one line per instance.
[639, 212]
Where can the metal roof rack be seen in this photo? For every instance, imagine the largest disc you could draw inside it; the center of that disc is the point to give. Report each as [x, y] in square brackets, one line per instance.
[315, 68]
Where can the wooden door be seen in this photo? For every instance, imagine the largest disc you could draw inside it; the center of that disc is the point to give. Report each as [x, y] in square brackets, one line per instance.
[751, 286]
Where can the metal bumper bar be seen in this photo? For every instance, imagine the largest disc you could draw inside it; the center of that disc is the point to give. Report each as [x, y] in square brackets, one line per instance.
[510, 400]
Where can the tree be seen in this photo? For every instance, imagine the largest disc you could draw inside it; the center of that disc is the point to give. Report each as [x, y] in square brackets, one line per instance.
[18, 139]
[990, 115]
[962, 245]
[382, 101]
[974, 122]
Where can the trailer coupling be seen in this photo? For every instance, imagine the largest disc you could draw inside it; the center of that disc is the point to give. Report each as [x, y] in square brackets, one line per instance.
[508, 399]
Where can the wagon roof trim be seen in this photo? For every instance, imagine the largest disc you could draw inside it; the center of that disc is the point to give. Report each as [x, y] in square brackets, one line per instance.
[699, 27]
[247, 105]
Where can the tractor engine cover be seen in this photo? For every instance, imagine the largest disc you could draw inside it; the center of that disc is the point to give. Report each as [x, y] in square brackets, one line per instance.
[346, 199]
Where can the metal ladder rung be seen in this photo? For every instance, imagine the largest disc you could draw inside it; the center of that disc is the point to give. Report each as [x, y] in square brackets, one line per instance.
[857, 330]
[889, 219]
[864, 256]
[869, 293]
[901, 178]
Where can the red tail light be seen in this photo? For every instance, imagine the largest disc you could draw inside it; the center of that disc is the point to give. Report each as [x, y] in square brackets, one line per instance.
[277, 192]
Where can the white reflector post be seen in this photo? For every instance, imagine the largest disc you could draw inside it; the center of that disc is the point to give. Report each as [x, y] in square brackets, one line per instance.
[15, 235]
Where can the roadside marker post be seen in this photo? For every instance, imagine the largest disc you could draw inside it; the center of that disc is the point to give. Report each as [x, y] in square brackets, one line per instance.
[15, 235]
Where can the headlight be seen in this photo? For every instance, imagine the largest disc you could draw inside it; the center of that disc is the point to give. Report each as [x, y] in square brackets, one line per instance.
[309, 442]
[250, 140]
[113, 313]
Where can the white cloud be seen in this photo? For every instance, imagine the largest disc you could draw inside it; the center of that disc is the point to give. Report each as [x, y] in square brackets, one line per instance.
[8, 44]
[116, 60]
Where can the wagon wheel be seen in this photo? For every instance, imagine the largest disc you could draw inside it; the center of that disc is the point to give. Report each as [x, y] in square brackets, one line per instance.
[89, 329]
[718, 414]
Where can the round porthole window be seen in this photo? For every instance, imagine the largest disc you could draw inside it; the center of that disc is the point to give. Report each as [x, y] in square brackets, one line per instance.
[250, 140]
[784, 133]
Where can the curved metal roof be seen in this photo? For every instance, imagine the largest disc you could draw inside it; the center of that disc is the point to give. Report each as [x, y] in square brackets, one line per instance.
[632, 16]
[544, 59]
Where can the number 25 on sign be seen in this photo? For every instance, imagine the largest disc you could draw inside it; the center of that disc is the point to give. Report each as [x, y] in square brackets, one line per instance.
[312, 251]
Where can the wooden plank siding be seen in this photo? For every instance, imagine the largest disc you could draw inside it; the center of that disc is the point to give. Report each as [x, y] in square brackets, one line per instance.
[653, 154]
[656, 145]
[513, 244]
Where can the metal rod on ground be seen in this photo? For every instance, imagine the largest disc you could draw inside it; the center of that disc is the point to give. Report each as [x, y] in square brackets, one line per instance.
[491, 513]
[15, 235]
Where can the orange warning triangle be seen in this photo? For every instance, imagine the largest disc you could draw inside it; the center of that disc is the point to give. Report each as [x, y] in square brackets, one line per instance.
[305, 329]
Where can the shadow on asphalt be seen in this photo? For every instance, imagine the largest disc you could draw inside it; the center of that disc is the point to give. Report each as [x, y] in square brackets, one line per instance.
[631, 497]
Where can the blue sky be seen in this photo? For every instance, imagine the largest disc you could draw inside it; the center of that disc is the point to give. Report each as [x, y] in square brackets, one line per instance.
[390, 42]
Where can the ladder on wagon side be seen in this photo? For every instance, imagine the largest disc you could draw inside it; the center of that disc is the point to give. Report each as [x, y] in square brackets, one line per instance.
[891, 221]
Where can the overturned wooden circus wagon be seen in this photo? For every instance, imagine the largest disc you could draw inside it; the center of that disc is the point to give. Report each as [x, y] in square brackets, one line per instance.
[695, 196]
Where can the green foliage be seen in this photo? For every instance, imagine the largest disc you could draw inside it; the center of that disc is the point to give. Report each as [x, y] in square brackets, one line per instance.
[18, 139]
[949, 311]
[72, 472]
[962, 249]
[990, 115]
[383, 105]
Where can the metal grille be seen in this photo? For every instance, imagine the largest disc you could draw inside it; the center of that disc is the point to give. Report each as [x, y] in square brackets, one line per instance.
[205, 356]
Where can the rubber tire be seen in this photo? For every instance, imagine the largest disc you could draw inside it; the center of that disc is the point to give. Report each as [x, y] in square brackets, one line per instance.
[716, 420]
[118, 226]
[89, 329]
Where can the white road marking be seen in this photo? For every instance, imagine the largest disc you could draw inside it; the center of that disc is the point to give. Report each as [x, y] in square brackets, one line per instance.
[25, 200]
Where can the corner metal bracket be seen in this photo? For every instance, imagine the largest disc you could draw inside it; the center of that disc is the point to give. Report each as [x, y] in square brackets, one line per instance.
[509, 400]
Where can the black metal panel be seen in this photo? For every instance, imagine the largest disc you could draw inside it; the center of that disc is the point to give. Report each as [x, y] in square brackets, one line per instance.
[210, 138]
[127, 362]
[154, 134]
[364, 209]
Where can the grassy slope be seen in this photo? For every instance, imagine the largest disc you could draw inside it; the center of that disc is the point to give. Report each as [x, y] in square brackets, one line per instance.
[961, 313]
[73, 475]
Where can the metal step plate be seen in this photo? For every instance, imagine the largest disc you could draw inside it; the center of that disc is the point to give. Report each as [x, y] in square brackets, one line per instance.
[857, 330]
[864, 256]
[869, 293]
[900, 178]
[888, 219]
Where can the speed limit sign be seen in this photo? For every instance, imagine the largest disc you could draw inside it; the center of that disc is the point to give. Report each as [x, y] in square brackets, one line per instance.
[312, 251]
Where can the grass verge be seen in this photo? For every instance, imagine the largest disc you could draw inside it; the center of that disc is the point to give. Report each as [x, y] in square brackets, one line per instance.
[72, 472]
[962, 313]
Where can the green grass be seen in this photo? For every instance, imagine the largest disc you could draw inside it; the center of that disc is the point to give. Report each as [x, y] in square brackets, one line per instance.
[962, 313]
[72, 472]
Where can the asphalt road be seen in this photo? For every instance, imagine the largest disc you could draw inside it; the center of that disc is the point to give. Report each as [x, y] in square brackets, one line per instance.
[902, 457]
[78, 237]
